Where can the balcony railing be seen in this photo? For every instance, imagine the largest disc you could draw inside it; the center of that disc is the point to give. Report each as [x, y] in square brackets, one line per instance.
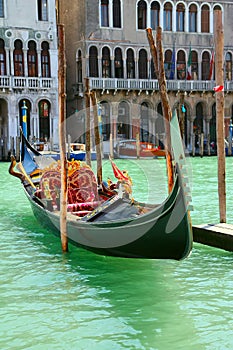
[21, 83]
[153, 85]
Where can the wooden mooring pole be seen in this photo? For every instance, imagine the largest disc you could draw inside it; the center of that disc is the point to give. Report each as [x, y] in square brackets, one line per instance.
[219, 50]
[62, 136]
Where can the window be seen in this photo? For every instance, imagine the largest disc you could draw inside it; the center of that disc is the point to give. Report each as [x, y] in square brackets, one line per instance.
[123, 121]
[44, 128]
[106, 63]
[142, 15]
[42, 10]
[104, 13]
[79, 67]
[181, 65]
[205, 65]
[194, 65]
[153, 73]
[228, 66]
[45, 60]
[205, 19]
[142, 65]
[118, 62]
[1, 8]
[130, 64]
[154, 14]
[193, 18]
[18, 59]
[167, 20]
[180, 18]
[93, 62]
[32, 59]
[116, 14]
[168, 64]
[2, 58]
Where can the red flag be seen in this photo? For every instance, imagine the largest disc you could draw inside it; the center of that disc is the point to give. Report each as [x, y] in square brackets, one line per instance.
[118, 173]
[218, 88]
[211, 66]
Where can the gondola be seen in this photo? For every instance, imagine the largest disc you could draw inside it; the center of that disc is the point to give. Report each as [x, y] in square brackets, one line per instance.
[103, 220]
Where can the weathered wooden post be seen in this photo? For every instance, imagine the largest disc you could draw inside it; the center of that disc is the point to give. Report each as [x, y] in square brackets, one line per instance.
[62, 136]
[219, 49]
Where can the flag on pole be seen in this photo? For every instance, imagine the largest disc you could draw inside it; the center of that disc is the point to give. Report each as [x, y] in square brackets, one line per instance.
[117, 172]
[211, 66]
[173, 64]
[189, 70]
[218, 88]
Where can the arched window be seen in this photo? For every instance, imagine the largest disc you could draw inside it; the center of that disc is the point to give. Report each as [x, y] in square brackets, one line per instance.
[180, 11]
[105, 119]
[118, 62]
[42, 10]
[93, 62]
[205, 19]
[144, 122]
[167, 16]
[2, 58]
[104, 13]
[142, 65]
[142, 14]
[123, 127]
[168, 63]
[228, 69]
[106, 63]
[25, 103]
[205, 66]
[44, 127]
[45, 60]
[32, 59]
[152, 69]
[194, 65]
[154, 14]
[193, 18]
[18, 59]
[116, 14]
[181, 65]
[130, 64]
[79, 67]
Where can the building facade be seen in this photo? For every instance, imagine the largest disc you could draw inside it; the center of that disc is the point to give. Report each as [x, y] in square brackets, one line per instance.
[28, 71]
[106, 42]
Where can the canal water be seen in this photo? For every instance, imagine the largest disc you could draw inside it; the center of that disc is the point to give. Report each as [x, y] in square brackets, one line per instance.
[80, 300]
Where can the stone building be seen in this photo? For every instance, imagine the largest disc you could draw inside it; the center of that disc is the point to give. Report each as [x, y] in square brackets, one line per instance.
[28, 71]
[106, 42]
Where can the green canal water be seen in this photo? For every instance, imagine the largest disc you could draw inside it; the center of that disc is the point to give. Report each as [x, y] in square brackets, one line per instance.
[79, 300]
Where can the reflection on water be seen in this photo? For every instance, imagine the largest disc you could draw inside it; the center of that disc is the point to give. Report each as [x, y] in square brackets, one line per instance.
[80, 300]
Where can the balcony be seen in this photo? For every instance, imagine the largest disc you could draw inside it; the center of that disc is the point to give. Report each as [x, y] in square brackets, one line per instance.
[25, 83]
[153, 85]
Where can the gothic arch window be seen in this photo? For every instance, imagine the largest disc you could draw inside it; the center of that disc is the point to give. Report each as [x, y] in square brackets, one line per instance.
[123, 121]
[1, 8]
[44, 120]
[152, 68]
[193, 18]
[79, 67]
[142, 65]
[228, 65]
[154, 14]
[118, 62]
[104, 8]
[205, 19]
[42, 7]
[2, 58]
[142, 14]
[93, 62]
[116, 13]
[181, 65]
[106, 63]
[18, 59]
[205, 65]
[105, 119]
[130, 64]
[144, 122]
[194, 65]
[168, 63]
[32, 59]
[167, 16]
[180, 12]
[45, 60]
